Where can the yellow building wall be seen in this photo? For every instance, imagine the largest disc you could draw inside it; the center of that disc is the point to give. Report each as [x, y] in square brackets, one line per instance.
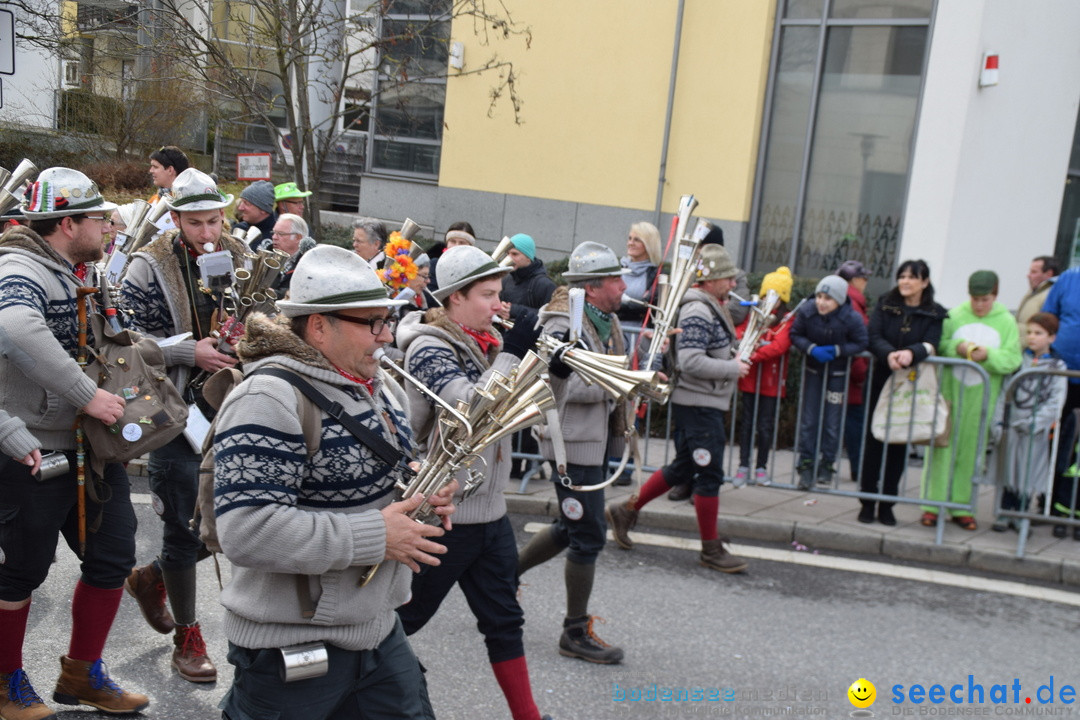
[594, 85]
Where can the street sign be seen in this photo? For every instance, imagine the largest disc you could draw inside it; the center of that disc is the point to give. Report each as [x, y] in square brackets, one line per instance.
[7, 42]
[253, 166]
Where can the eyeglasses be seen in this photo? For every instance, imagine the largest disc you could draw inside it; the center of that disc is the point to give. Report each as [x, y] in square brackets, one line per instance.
[277, 233]
[376, 324]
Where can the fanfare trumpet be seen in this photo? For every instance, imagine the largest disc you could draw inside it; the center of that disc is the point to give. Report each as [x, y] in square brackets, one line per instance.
[502, 407]
[761, 319]
[501, 253]
[684, 268]
[10, 186]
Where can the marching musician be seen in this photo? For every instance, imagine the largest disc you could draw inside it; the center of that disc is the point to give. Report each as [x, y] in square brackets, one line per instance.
[165, 297]
[301, 528]
[705, 382]
[42, 389]
[453, 350]
[591, 424]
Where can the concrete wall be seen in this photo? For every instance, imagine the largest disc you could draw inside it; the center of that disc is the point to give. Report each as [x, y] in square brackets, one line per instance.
[989, 166]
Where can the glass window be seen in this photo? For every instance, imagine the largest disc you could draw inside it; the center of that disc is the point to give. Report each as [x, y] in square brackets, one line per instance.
[787, 139]
[844, 199]
[414, 48]
[881, 9]
[804, 9]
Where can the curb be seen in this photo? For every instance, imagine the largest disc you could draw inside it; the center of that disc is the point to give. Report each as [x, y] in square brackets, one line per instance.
[1060, 572]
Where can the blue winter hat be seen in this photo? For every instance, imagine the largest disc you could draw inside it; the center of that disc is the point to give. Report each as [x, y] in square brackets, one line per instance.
[524, 245]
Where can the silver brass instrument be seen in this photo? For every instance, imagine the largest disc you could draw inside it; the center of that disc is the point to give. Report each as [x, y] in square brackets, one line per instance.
[9, 191]
[502, 407]
[501, 253]
[761, 319]
[252, 288]
[684, 269]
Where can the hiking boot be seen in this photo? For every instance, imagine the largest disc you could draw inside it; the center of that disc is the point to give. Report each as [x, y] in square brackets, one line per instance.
[622, 517]
[680, 492]
[18, 700]
[88, 683]
[146, 586]
[715, 556]
[579, 641]
[189, 657]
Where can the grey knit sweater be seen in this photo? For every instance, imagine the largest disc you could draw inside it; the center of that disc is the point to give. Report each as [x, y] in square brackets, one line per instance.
[281, 513]
[704, 353]
[449, 362]
[41, 385]
[591, 421]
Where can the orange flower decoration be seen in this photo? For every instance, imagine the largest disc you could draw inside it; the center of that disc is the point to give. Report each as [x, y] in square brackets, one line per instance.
[400, 268]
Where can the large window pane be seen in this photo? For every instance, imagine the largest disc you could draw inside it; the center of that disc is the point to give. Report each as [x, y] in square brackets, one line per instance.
[804, 9]
[860, 154]
[787, 139]
[881, 9]
[406, 157]
[413, 111]
[415, 48]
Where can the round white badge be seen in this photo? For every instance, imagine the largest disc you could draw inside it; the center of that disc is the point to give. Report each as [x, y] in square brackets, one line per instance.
[157, 504]
[572, 509]
[131, 432]
[702, 457]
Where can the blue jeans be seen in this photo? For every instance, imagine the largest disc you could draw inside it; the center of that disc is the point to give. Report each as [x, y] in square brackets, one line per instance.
[386, 682]
[822, 404]
[173, 473]
[33, 514]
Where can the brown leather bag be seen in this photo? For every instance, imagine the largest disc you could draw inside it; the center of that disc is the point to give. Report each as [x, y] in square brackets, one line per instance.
[132, 366]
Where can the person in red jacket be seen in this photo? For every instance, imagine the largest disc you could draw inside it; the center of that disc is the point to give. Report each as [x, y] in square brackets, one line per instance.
[759, 391]
[857, 277]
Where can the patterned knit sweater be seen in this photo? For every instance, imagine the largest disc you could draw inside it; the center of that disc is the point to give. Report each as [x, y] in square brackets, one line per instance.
[41, 384]
[704, 353]
[449, 362]
[281, 513]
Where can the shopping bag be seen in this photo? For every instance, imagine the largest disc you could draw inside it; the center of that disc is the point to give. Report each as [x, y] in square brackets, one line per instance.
[911, 410]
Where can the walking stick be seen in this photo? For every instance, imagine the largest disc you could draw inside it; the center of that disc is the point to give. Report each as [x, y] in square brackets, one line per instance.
[80, 450]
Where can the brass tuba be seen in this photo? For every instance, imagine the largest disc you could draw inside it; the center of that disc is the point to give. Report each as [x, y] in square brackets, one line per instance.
[761, 319]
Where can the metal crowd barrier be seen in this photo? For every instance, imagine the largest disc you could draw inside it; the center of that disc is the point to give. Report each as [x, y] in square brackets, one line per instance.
[787, 478]
[1037, 466]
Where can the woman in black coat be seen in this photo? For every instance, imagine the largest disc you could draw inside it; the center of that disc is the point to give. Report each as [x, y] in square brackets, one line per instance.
[905, 329]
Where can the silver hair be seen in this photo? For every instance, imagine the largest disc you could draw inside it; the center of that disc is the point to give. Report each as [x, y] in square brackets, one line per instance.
[298, 224]
[374, 229]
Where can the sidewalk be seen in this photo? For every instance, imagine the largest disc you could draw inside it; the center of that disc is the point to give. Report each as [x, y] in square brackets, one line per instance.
[825, 522]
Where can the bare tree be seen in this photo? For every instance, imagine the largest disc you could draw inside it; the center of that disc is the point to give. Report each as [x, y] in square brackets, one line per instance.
[314, 68]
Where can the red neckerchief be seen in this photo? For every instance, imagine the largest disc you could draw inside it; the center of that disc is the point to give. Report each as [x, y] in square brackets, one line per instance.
[80, 271]
[484, 339]
[368, 383]
[190, 250]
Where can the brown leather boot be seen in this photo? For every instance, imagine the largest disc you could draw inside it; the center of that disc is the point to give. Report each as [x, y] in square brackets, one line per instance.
[88, 683]
[714, 555]
[189, 657]
[622, 517]
[146, 586]
[18, 701]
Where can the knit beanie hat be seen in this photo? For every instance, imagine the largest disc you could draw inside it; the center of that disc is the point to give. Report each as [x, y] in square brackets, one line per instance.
[834, 286]
[260, 194]
[524, 245]
[716, 264]
[780, 280]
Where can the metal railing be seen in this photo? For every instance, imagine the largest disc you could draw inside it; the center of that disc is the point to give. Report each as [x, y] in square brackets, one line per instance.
[780, 449]
[1038, 479]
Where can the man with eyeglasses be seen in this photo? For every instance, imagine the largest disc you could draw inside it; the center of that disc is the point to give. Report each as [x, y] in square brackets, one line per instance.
[42, 390]
[290, 236]
[166, 297]
[453, 350]
[287, 513]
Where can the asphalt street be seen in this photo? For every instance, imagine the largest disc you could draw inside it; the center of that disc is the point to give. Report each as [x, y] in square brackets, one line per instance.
[780, 640]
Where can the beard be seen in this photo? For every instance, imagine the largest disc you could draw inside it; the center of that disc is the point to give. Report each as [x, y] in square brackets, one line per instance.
[88, 253]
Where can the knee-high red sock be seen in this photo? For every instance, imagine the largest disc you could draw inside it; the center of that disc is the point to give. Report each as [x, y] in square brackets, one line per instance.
[12, 632]
[653, 488]
[513, 677]
[707, 508]
[92, 613]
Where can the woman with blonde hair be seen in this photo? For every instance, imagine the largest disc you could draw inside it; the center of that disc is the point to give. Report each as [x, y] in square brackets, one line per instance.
[643, 259]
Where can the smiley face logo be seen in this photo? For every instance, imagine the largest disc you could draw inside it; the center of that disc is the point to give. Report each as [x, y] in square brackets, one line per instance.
[862, 693]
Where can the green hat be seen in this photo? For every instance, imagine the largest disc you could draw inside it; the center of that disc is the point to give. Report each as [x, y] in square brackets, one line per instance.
[983, 282]
[289, 191]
